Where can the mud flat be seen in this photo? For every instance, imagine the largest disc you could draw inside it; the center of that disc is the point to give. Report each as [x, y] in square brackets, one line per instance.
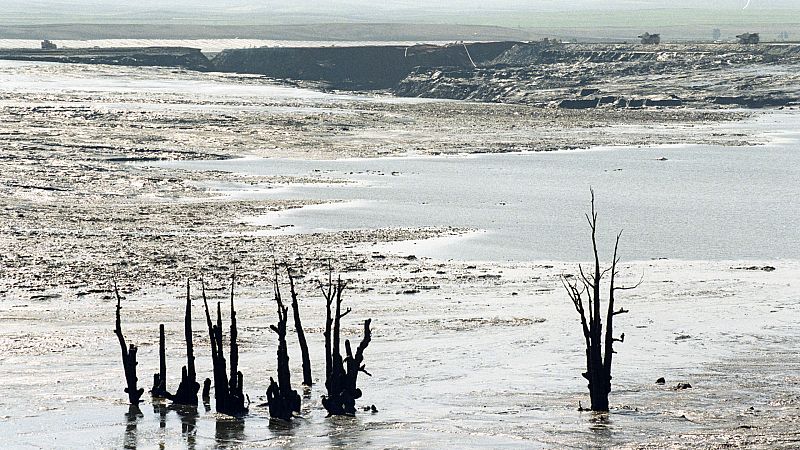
[70, 129]
[485, 353]
[490, 358]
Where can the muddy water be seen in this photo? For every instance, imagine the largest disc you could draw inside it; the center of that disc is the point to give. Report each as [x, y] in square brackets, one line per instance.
[687, 202]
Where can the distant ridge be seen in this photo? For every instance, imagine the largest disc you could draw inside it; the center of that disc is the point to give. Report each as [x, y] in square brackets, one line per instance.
[319, 32]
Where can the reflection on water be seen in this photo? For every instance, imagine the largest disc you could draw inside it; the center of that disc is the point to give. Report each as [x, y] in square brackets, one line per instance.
[600, 425]
[188, 415]
[345, 432]
[160, 409]
[281, 427]
[229, 432]
[131, 419]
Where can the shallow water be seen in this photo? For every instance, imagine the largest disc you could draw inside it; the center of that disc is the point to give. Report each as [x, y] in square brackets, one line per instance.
[466, 366]
[701, 203]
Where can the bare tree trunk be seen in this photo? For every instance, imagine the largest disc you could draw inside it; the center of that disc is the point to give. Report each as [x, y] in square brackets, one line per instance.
[188, 388]
[342, 377]
[228, 393]
[599, 347]
[282, 399]
[234, 377]
[301, 335]
[128, 358]
[329, 295]
[159, 389]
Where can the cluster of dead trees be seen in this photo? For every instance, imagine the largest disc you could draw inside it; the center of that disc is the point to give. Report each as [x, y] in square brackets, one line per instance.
[341, 373]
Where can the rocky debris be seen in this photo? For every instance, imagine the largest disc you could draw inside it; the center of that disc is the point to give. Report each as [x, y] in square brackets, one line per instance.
[619, 102]
[579, 103]
[762, 268]
[583, 76]
[754, 101]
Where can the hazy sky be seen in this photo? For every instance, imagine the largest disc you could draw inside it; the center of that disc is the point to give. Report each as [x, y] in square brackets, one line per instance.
[315, 11]
[372, 6]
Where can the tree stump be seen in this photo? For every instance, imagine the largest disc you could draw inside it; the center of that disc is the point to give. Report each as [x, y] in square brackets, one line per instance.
[159, 389]
[301, 335]
[188, 388]
[128, 358]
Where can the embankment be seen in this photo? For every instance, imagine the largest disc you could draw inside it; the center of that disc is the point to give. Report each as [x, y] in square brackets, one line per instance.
[544, 73]
[188, 58]
[365, 67]
[583, 76]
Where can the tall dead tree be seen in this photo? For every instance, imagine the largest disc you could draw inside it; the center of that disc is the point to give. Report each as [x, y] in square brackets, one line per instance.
[159, 389]
[341, 374]
[188, 388]
[128, 358]
[283, 401]
[227, 392]
[599, 345]
[301, 335]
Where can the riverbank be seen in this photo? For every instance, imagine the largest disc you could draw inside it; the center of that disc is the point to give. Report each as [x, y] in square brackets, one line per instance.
[546, 73]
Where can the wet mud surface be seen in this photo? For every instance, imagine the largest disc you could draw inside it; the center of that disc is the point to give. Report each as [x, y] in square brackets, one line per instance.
[75, 209]
[482, 361]
[483, 354]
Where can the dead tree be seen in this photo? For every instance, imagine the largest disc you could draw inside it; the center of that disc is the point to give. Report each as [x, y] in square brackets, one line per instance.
[599, 348]
[341, 374]
[283, 401]
[228, 393]
[301, 335]
[159, 389]
[188, 388]
[206, 390]
[128, 358]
